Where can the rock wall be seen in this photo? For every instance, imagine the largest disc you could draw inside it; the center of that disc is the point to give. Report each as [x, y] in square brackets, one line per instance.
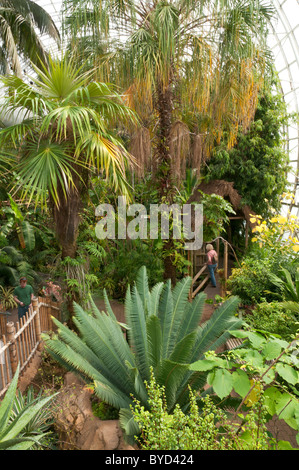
[77, 427]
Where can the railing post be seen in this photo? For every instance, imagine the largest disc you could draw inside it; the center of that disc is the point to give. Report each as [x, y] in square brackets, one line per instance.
[12, 347]
[37, 323]
[49, 314]
[225, 264]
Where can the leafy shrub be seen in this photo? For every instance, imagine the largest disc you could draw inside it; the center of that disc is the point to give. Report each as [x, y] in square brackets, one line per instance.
[274, 318]
[205, 427]
[252, 281]
[264, 369]
[122, 263]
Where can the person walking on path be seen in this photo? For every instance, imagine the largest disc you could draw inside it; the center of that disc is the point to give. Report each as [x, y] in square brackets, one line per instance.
[212, 263]
[23, 295]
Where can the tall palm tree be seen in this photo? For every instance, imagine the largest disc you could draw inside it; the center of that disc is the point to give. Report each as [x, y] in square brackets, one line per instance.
[61, 137]
[21, 23]
[194, 64]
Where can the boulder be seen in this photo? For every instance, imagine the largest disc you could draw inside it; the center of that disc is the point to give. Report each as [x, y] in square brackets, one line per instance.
[76, 425]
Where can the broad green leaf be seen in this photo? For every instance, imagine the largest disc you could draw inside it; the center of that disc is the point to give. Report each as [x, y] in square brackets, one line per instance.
[241, 382]
[284, 445]
[29, 235]
[271, 396]
[222, 382]
[254, 358]
[208, 364]
[271, 350]
[256, 339]
[286, 409]
[15, 208]
[288, 373]
[269, 376]
[203, 365]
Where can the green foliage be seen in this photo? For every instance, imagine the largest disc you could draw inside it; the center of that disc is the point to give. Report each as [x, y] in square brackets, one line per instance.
[7, 298]
[20, 428]
[122, 262]
[163, 332]
[257, 164]
[104, 411]
[22, 22]
[39, 425]
[204, 427]
[264, 365]
[274, 317]
[289, 289]
[13, 264]
[65, 124]
[252, 281]
[27, 243]
[216, 212]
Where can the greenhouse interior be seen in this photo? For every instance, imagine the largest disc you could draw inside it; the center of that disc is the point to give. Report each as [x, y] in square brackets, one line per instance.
[149, 227]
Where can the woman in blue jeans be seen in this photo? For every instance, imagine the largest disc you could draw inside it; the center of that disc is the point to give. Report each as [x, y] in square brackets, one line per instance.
[212, 263]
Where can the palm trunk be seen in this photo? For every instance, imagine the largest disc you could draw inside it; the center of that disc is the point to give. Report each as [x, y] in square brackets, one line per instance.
[66, 219]
[164, 108]
[164, 174]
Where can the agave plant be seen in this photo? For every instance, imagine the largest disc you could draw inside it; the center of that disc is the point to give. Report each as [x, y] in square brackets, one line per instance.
[14, 433]
[7, 300]
[164, 335]
[38, 426]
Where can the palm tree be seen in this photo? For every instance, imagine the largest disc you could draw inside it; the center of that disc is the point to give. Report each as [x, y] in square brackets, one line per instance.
[163, 335]
[62, 137]
[22, 22]
[186, 65]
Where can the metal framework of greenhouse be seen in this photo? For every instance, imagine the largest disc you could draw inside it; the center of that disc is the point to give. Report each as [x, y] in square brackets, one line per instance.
[284, 43]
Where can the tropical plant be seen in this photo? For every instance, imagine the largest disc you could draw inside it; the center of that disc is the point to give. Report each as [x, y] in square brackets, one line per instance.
[257, 164]
[164, 332]
[277, 234]
[185, 65]
[13, 434]
[7, 298]
[252, 280]
[204, 427]
[39, 425]
[13, 265]
[65, 124]
[263, 367]
[22, 23]
[216, 212]
[289, 289]
[274, 317]
[122, 263]
[15, 221]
